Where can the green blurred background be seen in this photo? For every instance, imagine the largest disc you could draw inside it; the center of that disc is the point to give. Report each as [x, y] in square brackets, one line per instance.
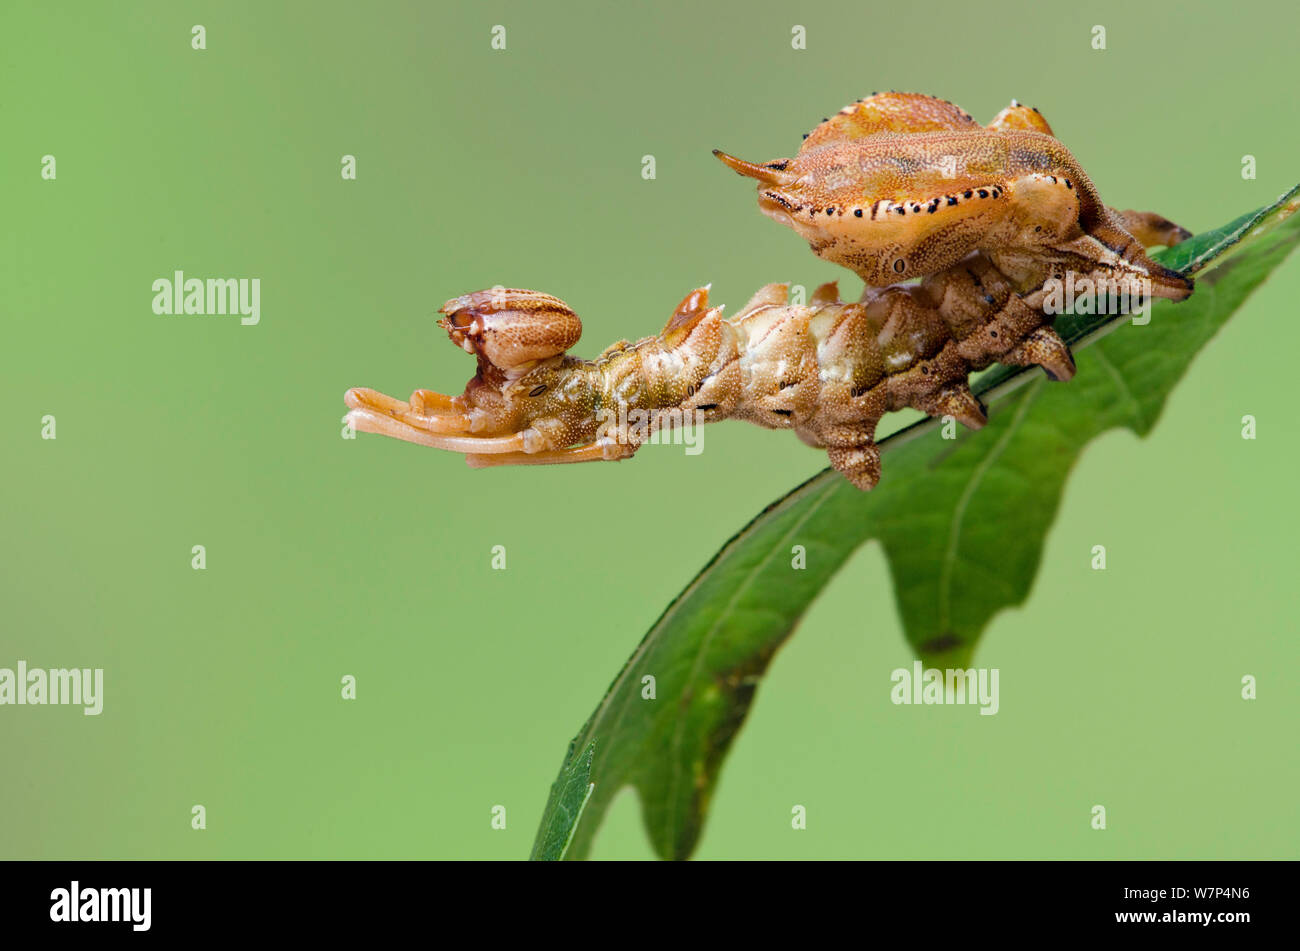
[371, 557]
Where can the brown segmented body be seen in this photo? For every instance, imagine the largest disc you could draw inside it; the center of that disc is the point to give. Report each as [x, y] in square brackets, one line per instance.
[895, 185]
[829, 370]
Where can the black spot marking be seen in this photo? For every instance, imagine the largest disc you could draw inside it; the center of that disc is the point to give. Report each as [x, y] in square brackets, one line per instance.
[830, 211]
[783, 412]
[967, 194]
[901, 210]
[786, 384]
[1068, 185]
[934, 206]
[705, 407]
[952, 199]
[900, 266]
[983, 193]
[857, 212]
[780, 166]
[537, 390]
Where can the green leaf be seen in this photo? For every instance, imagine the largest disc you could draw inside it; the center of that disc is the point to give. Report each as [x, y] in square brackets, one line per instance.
[962, 523]
[572, 793]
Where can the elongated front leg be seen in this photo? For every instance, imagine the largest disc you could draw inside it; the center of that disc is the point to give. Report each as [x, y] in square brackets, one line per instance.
[600, 451]
[373, 412]
[426, 411]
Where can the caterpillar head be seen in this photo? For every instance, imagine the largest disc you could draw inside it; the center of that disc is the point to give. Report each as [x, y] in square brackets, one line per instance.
[819, 201]
[778, 186]
[510, 330]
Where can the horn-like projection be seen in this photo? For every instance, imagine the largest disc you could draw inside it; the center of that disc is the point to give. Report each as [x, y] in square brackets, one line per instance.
[773, 173]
